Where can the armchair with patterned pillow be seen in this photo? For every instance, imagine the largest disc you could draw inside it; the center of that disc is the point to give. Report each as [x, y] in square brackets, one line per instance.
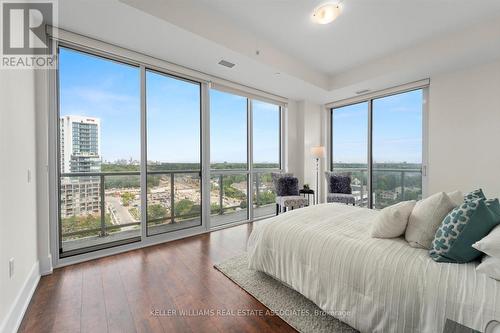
[287, 192]
[339, 188]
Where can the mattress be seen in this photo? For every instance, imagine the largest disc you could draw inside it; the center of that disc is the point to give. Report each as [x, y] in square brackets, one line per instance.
[325, 253]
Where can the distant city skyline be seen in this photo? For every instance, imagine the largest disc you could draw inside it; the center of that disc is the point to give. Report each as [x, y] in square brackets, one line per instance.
[99, 88]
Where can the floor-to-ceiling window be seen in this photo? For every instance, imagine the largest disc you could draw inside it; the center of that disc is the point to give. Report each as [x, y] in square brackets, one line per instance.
[240, 165]
[378, 142]
[132, 153]
[99, 151]
[397, 148]
[101, 144]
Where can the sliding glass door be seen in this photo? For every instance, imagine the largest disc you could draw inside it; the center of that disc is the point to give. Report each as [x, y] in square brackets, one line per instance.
[379, 144]
[350, 147]
[173, 109]
[266, 135]
[228, 158]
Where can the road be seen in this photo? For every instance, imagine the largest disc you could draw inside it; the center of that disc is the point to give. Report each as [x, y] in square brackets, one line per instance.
[119, 213]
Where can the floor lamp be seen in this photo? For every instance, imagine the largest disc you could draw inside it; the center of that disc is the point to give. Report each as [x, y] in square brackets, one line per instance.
[318, 153]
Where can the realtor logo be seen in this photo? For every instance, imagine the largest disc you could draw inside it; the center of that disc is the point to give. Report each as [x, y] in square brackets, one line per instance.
[25, 43]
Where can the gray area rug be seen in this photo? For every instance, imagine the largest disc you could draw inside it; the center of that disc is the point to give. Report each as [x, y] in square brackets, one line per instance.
[289, 305]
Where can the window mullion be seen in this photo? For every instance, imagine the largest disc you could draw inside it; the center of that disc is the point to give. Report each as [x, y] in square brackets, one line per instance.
[144, 158]
[205, 155]
[370, 155]
[250, 158]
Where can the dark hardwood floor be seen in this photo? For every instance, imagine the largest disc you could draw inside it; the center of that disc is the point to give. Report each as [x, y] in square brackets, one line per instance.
[119, 293]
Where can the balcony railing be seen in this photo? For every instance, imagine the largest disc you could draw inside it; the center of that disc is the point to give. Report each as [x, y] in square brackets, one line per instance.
[389, 185]
[174, 217]
[229, 199]
[112, 216]
[220, 208]
[264, 200]
[101, 207]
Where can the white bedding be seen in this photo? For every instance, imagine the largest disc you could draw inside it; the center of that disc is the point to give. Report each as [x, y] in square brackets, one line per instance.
[325, 253]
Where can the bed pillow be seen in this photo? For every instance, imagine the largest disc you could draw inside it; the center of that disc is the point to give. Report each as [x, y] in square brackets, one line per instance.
[477, 194]
[287, 186]
[426, 218]
[461, 228]
[490, 244]
[457, 197]
[391, 221]
[490, 266]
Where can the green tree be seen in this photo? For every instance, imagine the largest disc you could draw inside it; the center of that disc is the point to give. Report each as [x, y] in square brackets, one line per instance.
[81, 224]
[266, 197]
[127, 197]
[234, 193]
[183, 207]
[156, 211]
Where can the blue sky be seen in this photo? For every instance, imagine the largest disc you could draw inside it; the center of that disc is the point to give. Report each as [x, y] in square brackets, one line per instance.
[397, 130]
[108, 90]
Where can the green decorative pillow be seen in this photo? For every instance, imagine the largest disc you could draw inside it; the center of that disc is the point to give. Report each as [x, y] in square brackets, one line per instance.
[462, 227]
[474, 195]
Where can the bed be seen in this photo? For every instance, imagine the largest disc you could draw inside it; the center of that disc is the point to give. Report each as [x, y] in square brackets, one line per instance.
[325, 253]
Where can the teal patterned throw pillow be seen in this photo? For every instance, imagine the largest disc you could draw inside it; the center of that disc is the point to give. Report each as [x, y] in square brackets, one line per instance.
[474, 195]
[494, 206]
[462, 227]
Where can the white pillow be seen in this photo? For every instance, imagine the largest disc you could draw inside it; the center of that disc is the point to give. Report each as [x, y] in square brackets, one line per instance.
[457, 197]
[391, 221]
[490, 266]
[426, 218]
[490, 244]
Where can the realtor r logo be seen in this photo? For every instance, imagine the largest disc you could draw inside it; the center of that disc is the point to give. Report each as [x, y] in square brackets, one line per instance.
[25, 43]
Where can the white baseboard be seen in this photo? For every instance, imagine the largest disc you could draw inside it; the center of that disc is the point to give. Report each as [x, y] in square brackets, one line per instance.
[46, 265]
[18, 308]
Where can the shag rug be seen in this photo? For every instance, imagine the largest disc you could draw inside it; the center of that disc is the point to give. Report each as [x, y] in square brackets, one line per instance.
[289, 305]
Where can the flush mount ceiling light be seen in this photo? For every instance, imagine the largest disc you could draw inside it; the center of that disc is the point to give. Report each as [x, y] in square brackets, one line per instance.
[326, 13]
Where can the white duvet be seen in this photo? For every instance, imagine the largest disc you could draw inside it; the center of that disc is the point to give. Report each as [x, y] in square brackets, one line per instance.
[325, 253]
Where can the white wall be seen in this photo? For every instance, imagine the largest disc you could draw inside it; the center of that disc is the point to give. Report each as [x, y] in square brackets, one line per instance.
[464, 130]
[294, 141]
[42, 162]
[310, 130]
[18, 208]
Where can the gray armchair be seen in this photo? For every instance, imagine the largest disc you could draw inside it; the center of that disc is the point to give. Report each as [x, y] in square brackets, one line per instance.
[284, 202]
[341, 192]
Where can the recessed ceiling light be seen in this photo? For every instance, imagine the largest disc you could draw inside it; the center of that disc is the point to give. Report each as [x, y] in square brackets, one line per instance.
[326, 13]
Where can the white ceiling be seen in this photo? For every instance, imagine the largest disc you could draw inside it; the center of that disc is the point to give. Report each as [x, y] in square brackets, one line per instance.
[366, 30]
[372, 45]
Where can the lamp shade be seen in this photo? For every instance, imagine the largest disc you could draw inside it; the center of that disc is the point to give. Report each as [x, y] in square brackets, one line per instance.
[318, 152]
[492, 327]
